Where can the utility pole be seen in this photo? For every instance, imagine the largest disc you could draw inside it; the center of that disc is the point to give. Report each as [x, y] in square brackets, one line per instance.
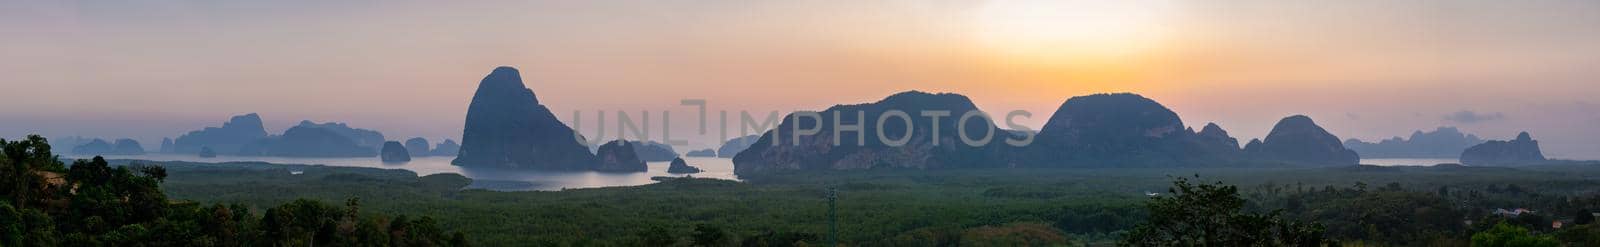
[833, 217]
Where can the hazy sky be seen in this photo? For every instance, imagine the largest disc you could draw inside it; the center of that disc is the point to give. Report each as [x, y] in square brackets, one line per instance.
[1362, 69]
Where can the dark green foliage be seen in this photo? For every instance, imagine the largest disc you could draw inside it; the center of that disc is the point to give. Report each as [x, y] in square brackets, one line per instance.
[709, 235]
[1401, 206]
[1209, 215]
[1016, 234]
[658, 236]
[1372, 206]
[24, 169]
[1504, 235]
[777, 239]
[93, 203]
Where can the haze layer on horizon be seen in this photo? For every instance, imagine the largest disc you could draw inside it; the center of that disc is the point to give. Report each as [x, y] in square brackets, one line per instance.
[1362, 69]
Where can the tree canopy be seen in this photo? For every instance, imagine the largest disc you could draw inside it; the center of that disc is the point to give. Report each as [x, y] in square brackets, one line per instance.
[92, 203]
[1210, 215]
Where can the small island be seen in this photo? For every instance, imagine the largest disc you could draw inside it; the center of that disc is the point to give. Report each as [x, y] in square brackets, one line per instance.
[679, 166]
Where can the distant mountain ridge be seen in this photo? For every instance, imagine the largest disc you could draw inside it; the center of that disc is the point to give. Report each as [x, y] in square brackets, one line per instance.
[97, 146]
[1443, 142]
[237, 132]
[1101, 130]
[924, 148]
[244, 135]
[309, 141]
[362, 137]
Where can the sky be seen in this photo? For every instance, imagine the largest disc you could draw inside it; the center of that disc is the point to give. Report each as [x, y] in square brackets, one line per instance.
[1361, 69]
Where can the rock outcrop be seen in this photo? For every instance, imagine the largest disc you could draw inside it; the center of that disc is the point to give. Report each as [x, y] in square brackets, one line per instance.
[651, 151]
[127, 146]
[1125, 130]
[418, 147]
[922, 148]
[167, 146]
[308, 141]
[619, 156]
[238, 131]
[701, 153]
[446, 148]
[1521, 151]
[1215, 135]
[679, 166]
[506, 127]
[734, 146]
[70, 141]
[370, 139]
[1444, 142]
[394, 152]
[101, 147]
[93, 147]
[1298, 140]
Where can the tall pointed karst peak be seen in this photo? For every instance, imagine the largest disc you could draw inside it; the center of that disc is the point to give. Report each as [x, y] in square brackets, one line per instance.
[506, 127]
[504, 79]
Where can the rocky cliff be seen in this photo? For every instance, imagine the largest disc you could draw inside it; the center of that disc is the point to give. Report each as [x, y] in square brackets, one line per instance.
[446, 148]
[370, 139]
[418, 147]
[506, 127]
[701, 153]
[394, 152]
[238, 131]
[127, 146]
[1521, 151]
[167, 146]
[922, 148]
[307, 141]
[679, 166]
[1125, 130]
[98, 146]
[1298, 140]
[1443, 142]
[734, 146]
[619, 156]
[651, 151]
[93, 147]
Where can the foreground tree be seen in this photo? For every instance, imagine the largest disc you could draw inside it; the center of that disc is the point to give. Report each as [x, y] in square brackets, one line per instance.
[1507, 235]
[93, 203]
[26, 167]
[1209, 215]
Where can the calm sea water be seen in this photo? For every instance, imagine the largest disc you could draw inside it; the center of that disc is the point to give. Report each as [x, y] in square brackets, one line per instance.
[495, 179]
